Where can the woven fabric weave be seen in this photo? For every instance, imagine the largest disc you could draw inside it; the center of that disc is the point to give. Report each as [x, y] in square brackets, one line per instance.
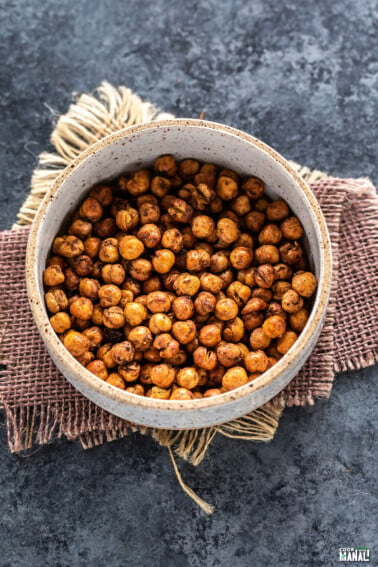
[41, 404]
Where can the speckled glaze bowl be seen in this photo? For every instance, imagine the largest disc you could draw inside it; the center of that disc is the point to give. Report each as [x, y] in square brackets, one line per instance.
[136, 147]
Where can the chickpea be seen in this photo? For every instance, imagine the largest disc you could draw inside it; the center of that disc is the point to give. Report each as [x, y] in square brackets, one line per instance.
[202, 197]
[85, 358]
[275, 308]
[130, 371]
[227, 278]
[277, 210]
[226, 309]
[226, 188]
[241, 257]
[105, 228]
[158, 302]
[82, 265]
[254, 304]
[113, 317]
[210, 335]
[285, 342]
[259, 340]
[197, 260]
[234, 378]
[53, 275]
[229, 354]
[203, 227]
[291, 301]
[94, 335]
[132, 286]
[91, 210]
[56, 261]
[241, 205]
[279, 289]
[163, 261]
[92, 246]
[282, 272]
[245, 240]
[137, 389]
[297, 321]
[108, 251]
[123, 353]
[239, 292]
[130, 247]
[109, 295]
[104, 353]
[256, 361]
[98, 368]
[158, 393]
[103, 194]
[125, 220]
[159, 323]
[227, 232]
[265, 276]
[89, 288]
[112, 273]
[234, 330]
[172, 239]
[182, 394]
[166, 165]
[179, 358]
[212, 392]
[267, 254]
[98, 315]
[60, 322]
[138, 183]
[180, 211]
[152, 284]
[80, 228]
[270, 234]
[56, 300]
[304, 283]
[141, 337]
[114, 379]
[263, 293]
[76, 343]
[186, 284]
[188, 168]
[140, 269]
[82, 308]
[205, 246]
[183, 307]
[247, 277]
[167, 346]
[210, 282]
[274, 327]
[261, 205]
[160, 186]
[205, 303]
[292, 229]
[291, 252]
[204, 358]
[188, 378]
[184, 331]
[135, 313]
[254, 221]
[149, 213]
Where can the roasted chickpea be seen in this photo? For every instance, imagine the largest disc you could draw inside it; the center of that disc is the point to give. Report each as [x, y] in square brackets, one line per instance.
[292, 229]
[103, 194]
[98, 315]
[82, 265]
[254, 304]
[226, 309]
[245, 240]
[172, 239]
[229, 354]
[130, 247]
[291, 301]
[138, 183]
[141, 337]
[152, 284]
[130, 371]
[227, 278]
[123, 352]
[91, 210]
[254, 221]
[285, 342]
[56, 261]
[80, 228]
[113, 273]
[180, 210]
[247, 277]
[188, 378]
[160, 186]
[92, 246]
[113, 317]
[277, 210]
[56, 300]
[279, 289]
[108, 251]
[253, 187]
[114, 379]
[291, 253]
[270, 234]
[135, 313]
[53, 275]
[275, 308]
[60, 322]
[186, 284]
[297, 321]
[274, 327]
[234, 378]
[166, 165]
[183, 394]
[227, 232]
[304, 283]
[98, 368]
[241, 257]
[212, 392]
[205, 358]
[109, 294]
[256, 361]
[259, 340]
[241, 205]
[76, 343]
[140, 269]
[282, 272]
[202, 197]
[159, 393]
[104, 353]
[203, 227]
[167, 346]
[188, 168]
[210, 335]
[94, 335]
[136, 389]
[163, 261]
[267, 254]
[183, 307]
[159, 323]
[239, 292]
[89, 288]
[163, 375]
[264, 276]
[149, 213]
[85, 358]
[197, 260]
[125, 220]
[184, 331]
[82, 308]
[105, 228]
[234, 330]
[262, 293]
[226, 188]
[158, 302]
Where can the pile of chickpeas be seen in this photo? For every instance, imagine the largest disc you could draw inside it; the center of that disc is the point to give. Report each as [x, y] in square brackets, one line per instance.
[179, 282]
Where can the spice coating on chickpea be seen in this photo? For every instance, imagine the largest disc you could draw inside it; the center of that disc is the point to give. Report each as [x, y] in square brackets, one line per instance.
[184, 271]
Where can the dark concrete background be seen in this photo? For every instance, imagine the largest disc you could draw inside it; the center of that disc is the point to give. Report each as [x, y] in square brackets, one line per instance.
[300, 75]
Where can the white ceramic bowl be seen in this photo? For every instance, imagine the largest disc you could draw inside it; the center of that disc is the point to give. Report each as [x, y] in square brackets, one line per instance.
[133, 148]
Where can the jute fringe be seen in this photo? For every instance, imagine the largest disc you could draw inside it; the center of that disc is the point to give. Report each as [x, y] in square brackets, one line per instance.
[89, 119]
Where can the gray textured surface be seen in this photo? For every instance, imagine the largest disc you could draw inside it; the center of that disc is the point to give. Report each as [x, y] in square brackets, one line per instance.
[303, 78]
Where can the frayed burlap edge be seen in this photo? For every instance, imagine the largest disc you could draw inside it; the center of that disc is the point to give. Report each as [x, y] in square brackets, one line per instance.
[89, 119]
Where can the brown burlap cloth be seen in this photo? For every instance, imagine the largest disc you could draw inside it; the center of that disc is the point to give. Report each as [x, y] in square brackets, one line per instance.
[40, 404]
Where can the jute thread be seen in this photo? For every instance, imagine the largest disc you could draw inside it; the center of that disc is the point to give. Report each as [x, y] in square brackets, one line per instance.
[89, 119]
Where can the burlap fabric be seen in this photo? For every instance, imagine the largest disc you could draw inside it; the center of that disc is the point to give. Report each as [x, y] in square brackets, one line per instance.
[40, 404]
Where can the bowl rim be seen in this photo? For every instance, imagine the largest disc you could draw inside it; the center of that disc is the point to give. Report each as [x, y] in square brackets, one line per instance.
[94, 383]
